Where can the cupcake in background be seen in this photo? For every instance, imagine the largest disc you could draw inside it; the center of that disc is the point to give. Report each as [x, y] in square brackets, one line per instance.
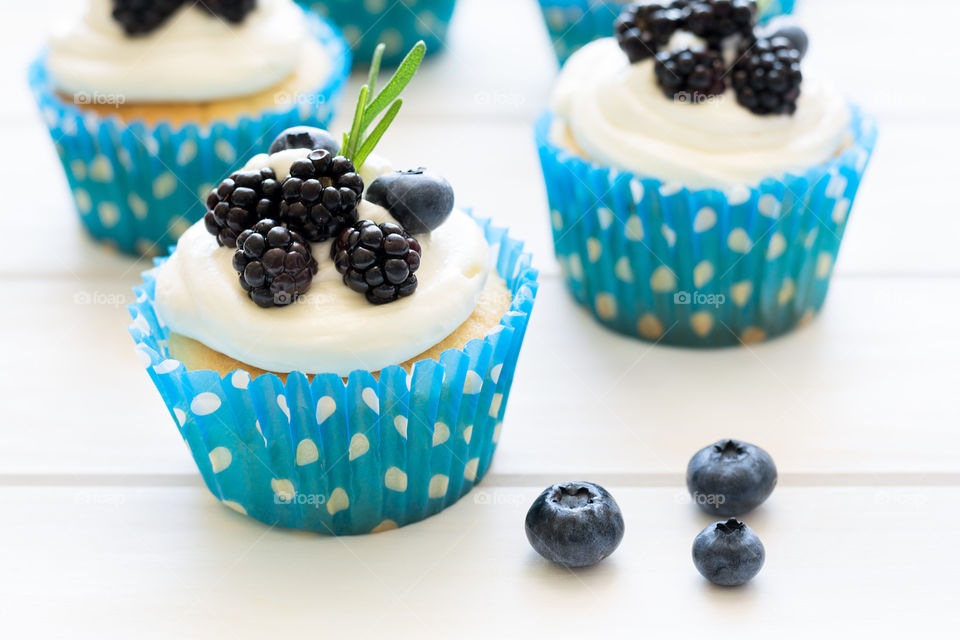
[573, 23]
[336, 341]
[149, 107]
[699, 183]
[398, 24]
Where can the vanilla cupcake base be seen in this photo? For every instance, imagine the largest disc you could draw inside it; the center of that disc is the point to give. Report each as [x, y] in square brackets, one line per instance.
[312, 71]
[493, 303]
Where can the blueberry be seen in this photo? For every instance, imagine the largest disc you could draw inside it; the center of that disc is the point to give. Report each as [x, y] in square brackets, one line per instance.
[575, 524]
[728, 553]
[305, 138]
[420, 200]
[785, 28]
[729, 478]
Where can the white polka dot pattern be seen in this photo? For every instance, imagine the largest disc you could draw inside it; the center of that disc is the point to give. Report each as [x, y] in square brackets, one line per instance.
[395, 480]
[220, 459]
[338, 501]
[205, 403]
[345, 456]
[307, 452]
[441, 433]
[134, 177]
[438, 486]
[359, 445]
[700, 268]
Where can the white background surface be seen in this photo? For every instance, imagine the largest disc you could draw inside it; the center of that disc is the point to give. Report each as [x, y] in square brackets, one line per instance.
[106, 530]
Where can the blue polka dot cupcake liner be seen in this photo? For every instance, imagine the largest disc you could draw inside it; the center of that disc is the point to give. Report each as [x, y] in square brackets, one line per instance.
[138, 186]
[703, 268]
[573, 23]
[398, 24]
[352, 456]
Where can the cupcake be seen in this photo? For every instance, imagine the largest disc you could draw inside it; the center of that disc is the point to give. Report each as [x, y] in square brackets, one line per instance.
[336, 340]
[573, 23]
[398, 25]
[149, 107]
[699, 186]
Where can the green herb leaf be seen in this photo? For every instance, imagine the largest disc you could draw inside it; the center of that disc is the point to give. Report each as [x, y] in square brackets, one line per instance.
[357, 146]
[401, 78]
[353, 138]
[367, 147]
[375, 66]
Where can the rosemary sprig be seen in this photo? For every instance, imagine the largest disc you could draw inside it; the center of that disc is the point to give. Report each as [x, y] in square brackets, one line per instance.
[357, 145]
[375, 66]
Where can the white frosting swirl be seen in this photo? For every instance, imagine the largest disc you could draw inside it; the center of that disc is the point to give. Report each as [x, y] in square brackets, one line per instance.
[616, 114]
[331, 329]
[193, 56]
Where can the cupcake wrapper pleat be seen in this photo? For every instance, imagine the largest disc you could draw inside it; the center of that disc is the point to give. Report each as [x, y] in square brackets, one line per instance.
[573, 23]
[346, 457]
[700, 268]
[398, 25]
[138, 186]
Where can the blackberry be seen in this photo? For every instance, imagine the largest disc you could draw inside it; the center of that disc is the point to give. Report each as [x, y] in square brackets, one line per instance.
[690, 75]
[239, 202]
[767, 77]
[715, 20]
[230, 10]
[275, 264]
[143, 16]
[320, 196]
[641, 29]
[377, 260]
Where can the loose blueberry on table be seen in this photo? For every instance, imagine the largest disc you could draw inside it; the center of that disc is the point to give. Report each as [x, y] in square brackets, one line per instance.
[574, 524]
[730, 478]
[762, 66]
[271, 220]
[728, 553]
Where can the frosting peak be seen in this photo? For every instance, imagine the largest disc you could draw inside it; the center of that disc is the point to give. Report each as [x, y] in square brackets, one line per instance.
[615, 113]
[192, 56]
[330, 329]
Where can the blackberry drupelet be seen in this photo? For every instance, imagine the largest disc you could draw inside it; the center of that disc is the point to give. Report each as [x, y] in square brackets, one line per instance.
[230, 10]
[689, 75]
[275, 264]
[143, 16]
[767, 77]
[239, 202]
[320, 196]
[715, 20]
[641, 29]
[377, 260]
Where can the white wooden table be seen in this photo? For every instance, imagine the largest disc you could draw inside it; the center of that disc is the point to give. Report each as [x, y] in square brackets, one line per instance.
[106, 530]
